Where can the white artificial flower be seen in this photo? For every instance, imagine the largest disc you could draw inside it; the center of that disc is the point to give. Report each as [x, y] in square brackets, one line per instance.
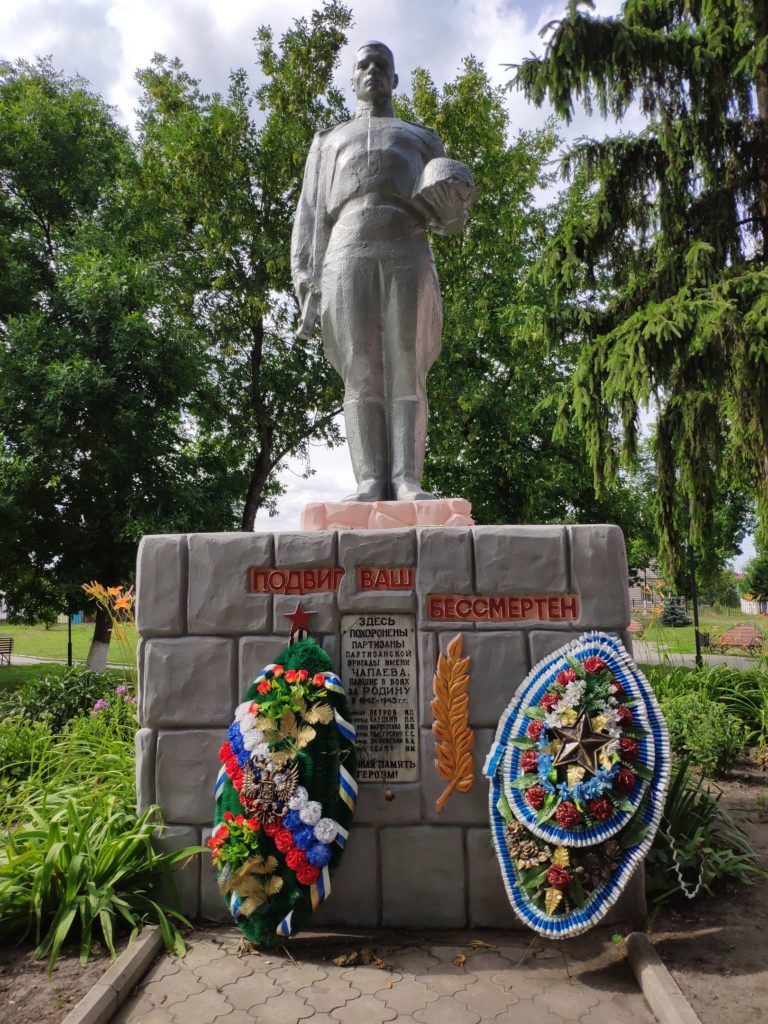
[246, 722]
[311, 812]
[299, 799]
[242, 709]
[326, 830]
[261, 751]
[572, 695]
[252, 739]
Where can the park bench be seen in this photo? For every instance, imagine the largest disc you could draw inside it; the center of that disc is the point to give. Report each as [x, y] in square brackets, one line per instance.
[636, 629]
[744, 638]
[6, 647]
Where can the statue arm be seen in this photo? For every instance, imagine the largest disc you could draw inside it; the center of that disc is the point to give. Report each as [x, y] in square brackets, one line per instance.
[447, 202]
[308, 242]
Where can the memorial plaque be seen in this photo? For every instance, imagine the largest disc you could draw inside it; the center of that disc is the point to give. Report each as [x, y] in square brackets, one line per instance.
[378, 666]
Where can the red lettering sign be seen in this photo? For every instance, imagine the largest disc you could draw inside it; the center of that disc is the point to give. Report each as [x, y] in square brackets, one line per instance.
[294, 581]
[385, 578]
[473, 608]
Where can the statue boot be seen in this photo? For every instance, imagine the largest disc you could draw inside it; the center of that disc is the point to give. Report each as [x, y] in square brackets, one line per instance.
[366, 429]
[407, 440]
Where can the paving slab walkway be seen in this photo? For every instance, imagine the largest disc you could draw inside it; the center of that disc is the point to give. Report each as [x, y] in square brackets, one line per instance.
[428, 978]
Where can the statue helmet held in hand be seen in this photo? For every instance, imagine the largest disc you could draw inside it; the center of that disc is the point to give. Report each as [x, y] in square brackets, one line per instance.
[362, 263]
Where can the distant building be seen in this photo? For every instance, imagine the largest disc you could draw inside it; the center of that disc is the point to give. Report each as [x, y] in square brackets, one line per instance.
[644, 593]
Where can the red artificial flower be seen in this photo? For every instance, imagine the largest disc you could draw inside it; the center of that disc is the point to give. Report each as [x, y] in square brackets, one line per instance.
[254, 823]
[225, 752]
[568, 815]
[624, 780]
[277, 671]
[624, 715]
[535, 797]
[566, 676]
[594, 664]
[617, 689]
[534, 729]
[264, 687]
[213, 843]
[284, 840]
[549, 700]
[629, 748]
[559, 878]
[223, 833]
[529, 762]
[600, 809]
[296, 859]
[237, 779]
[231, 766]
[239, 820]
[303, 675]
[228, 816]
[272, 828]
[318, 680]
[308, 875]
[291, 676]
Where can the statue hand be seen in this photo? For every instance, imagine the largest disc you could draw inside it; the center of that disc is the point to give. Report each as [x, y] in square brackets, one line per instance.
[310, 314]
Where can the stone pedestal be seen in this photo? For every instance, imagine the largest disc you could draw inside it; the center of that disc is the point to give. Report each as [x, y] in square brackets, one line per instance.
[210, 612]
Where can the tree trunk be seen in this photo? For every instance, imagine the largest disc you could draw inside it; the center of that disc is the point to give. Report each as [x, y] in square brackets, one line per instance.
[256, 483]
[263, 463]
[102, 633]
[761, 92]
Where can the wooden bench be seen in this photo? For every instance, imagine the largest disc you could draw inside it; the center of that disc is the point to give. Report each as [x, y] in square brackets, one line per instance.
[636, 629]
[6, 647]
[744, 638]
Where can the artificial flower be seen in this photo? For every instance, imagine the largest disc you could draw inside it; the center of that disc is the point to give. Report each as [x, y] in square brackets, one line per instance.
[535, 797]
[559, 878]
[568, 815]
[600, 809]
[593, 664]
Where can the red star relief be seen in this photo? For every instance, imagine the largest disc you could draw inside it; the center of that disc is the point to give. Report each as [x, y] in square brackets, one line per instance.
[299, 619]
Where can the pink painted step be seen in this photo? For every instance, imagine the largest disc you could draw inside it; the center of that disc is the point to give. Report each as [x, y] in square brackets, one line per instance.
[386, 515]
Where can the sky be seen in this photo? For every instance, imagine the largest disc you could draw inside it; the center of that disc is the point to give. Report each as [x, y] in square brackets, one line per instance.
[106, 41]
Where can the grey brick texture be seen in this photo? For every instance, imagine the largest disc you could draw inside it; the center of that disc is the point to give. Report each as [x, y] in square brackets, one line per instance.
[206, 636]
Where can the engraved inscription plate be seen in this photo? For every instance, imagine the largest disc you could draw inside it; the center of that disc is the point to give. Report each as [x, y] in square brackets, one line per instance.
[378, 667]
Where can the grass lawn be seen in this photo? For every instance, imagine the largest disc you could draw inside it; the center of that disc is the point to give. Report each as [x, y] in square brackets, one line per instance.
[681, 640]
[14, 675]
[39, 642]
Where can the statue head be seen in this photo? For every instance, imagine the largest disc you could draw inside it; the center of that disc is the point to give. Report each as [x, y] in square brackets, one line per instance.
[373, 72]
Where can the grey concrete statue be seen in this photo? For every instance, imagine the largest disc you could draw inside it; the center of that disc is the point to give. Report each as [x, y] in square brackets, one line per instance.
[361, 262]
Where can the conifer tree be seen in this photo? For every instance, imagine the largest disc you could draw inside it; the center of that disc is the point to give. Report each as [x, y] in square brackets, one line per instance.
[660, 273]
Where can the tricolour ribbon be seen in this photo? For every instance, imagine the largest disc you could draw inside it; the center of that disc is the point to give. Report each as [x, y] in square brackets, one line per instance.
[321, 890]
[345, 728]
[347, 788]
[284, 928]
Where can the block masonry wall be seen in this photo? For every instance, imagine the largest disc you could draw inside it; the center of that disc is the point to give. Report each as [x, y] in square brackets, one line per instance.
[205, 636]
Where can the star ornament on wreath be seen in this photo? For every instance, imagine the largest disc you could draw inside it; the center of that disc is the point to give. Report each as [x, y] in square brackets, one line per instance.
[581, 745]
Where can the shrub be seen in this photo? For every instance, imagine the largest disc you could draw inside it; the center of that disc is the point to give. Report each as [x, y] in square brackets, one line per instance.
[704, 731]
[23, 745]
[698, 843]
[673, 614]
[744, 692]
[59, 698]
[66, 870]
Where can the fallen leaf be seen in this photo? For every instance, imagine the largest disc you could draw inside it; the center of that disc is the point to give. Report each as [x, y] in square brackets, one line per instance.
[389, 983]
[460, 960]
[345, 959]
[479, 944]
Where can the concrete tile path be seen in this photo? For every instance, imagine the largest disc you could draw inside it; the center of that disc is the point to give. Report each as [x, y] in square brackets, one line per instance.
[428, 978]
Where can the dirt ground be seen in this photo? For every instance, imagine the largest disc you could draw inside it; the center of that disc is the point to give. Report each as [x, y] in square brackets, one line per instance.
[715, 947]
[29, 996]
